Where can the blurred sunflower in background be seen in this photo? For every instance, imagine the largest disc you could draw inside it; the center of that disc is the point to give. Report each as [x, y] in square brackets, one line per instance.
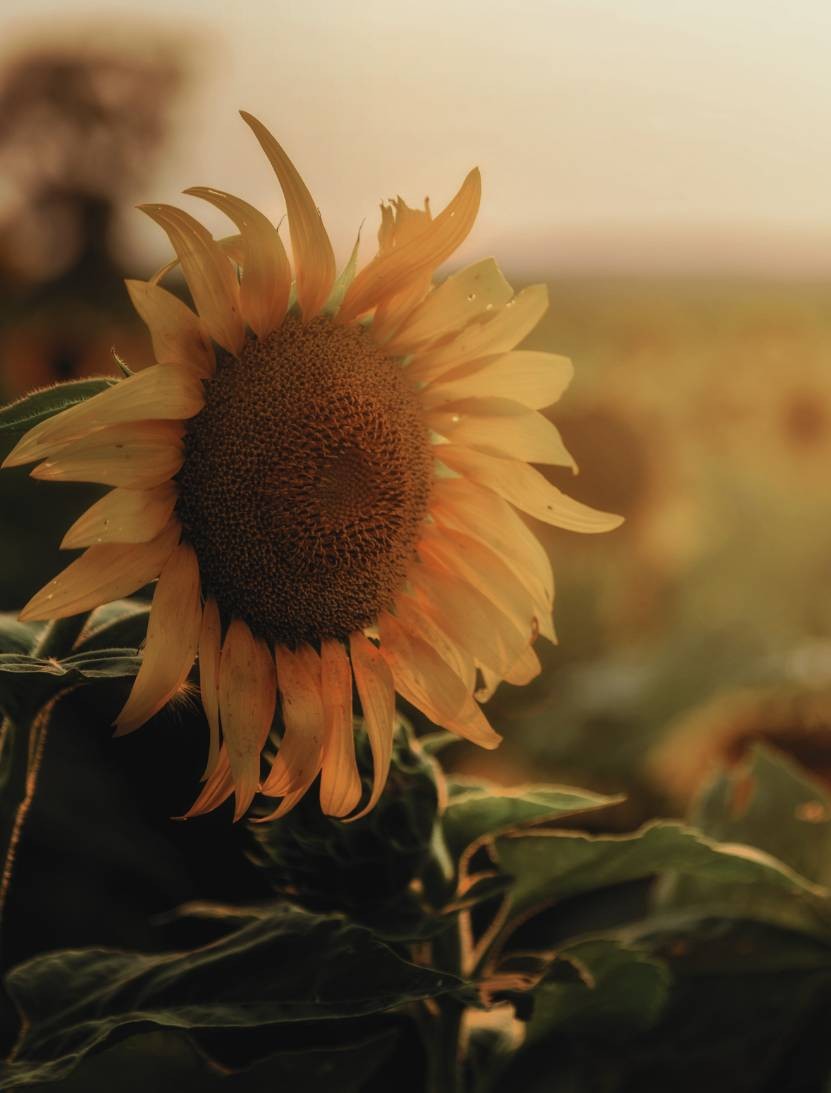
[323, 472]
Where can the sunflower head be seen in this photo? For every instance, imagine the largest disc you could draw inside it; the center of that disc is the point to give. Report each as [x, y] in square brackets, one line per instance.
[323, 473]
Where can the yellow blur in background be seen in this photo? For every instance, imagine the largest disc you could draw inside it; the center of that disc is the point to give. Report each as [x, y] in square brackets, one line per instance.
[661, 169]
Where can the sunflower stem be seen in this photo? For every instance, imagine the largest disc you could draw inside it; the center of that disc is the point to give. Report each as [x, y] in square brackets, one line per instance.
[59, 636]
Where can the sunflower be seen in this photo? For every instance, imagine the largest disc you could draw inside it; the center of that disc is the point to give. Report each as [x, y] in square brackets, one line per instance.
[323, 474]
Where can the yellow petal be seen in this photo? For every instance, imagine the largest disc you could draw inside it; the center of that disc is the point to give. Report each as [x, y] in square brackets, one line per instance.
[172, 637]
[466, 507]
[411, 614]
[528, 667]
[217, 789]
[423, 678]
[109, 571]
[533, 379]
[247, 697]
[392, 272]
[527, 489]
[501, 427]
[340, 782]
[376, 691]
[209, 274]
[137, 455]
[124, 516]
[459, 300]
[210, 644]
[299, 755]
[177, 334]
[505, 330]
[266, 277]
[158, 392]
[314, 259]
[470, 619]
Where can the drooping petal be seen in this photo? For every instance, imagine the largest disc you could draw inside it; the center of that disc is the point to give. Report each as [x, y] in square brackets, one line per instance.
[210, 645]
[137, 455]
[452, 305]
[266, 276]
[217, 789]
[299, 755]
[124, 516]
[390, 273]
[177, 334]
[340, 782]
[501, 427]
[172, 638]
[426, 681]
[157, 392]
[533, 379]
[505, 330]
[411, 614]
[314, 259]
[107, 571]
[247, 697]
[209, 274]
[466, 507]
[376, 691]
[526, 488]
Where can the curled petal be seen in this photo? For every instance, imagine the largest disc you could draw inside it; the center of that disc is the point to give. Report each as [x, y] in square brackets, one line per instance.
[217, 789]
[533, 379]
[109, 571]
[340, 782]
[314, 259]
[505, 330]
[209, 274]
[172, 637]
[247, 697]
[266, 277]
[136, 455]
[392, 272]
[376, 691]
[177, 334]
[157, 392]
[526, 488]
[501, 427]
[299, 756]
[210, 644]
[425, 680]
[124, 516]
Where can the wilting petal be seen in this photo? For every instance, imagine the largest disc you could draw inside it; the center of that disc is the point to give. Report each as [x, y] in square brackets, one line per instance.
[340, 782]
[466, 507]
[392, 272]
[471, 620]
[527, 489]
[452, 305]
[209, 274]
[124, 516]
[210, 644]
[247, 697]
[157, 392]
[109, 571]
[499, 334]
[501, 427]
[172, 637]
[177, 334]
[533, 379]
[376, 691]
[137, 455]
[423, 678]
[299, 755]
[314, 259]
[266, 277]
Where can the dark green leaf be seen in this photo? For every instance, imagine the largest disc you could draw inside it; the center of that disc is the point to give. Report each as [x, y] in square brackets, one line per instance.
[121, 624]
[288, 966]
[20, 416]
[16, 637]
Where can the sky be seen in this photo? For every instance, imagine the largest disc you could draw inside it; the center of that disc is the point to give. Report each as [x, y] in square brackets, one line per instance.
[613, 135]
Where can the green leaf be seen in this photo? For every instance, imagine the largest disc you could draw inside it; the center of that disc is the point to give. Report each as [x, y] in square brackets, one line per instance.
[553, 865]
[27, 682]
[120, 624]
[599, 987]
[485, 811]
[16, 637]
[288, 966]
[33, 408]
